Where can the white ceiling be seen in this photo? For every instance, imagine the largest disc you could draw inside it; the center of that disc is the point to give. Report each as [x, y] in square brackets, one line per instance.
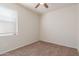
[41, 9]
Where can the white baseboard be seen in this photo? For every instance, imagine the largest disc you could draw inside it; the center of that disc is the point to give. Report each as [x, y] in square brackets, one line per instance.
[3, 52]
[58, 44]
[29, 44]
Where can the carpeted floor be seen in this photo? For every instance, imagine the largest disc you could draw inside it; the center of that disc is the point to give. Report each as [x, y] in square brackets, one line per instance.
[43, 49]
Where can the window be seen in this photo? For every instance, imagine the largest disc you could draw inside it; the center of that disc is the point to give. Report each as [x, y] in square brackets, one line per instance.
[8, 21]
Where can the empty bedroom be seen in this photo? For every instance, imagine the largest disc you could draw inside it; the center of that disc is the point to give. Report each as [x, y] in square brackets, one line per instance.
[39, 29]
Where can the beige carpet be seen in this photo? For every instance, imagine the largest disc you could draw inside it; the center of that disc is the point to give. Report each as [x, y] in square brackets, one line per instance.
[43, 49]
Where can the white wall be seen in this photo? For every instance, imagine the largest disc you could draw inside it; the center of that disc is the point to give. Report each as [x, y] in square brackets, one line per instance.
[28, 25]
[78, 26]
[60, 27]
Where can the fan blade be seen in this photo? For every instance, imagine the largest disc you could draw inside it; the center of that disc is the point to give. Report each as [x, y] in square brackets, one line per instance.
[45, 4]
[37, 5]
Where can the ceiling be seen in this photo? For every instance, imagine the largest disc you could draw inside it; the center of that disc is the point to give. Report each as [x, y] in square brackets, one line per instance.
[41, 9]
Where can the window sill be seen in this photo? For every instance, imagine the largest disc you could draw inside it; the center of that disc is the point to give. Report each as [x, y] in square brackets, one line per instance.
[7, 34]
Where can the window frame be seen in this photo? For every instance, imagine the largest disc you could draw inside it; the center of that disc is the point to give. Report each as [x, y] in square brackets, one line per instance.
[16, 25]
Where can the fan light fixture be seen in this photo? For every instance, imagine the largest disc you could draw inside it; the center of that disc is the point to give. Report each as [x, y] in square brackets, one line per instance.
[44, 4]
[41, 3]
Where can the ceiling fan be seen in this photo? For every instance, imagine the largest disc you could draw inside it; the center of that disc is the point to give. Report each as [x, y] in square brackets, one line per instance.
[45, 5]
